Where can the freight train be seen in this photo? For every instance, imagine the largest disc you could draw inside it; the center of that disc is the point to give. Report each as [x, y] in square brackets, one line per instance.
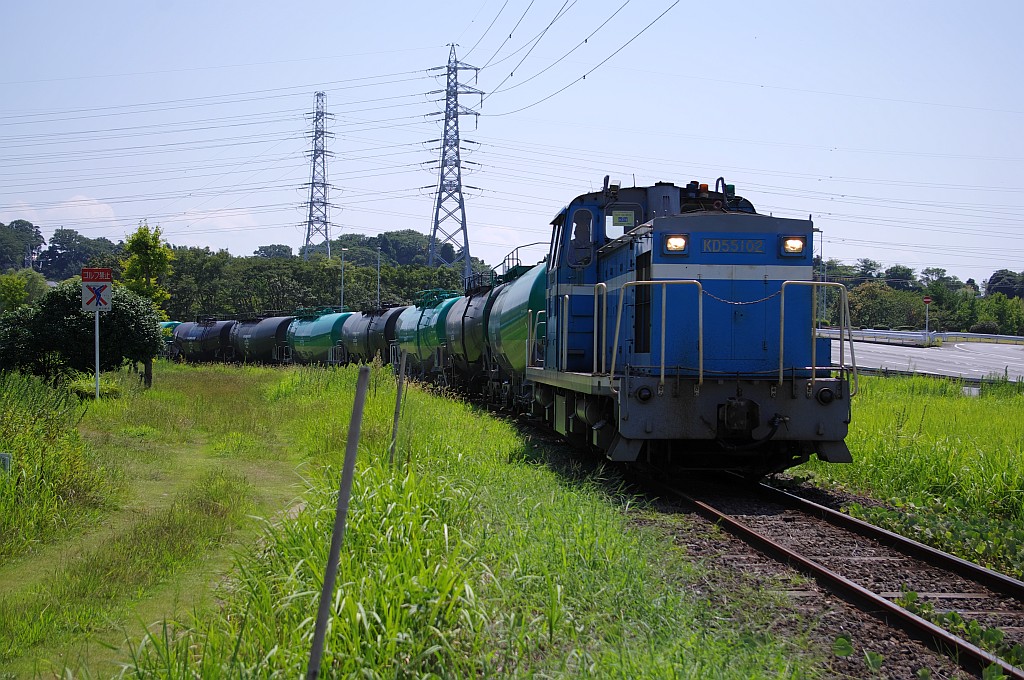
[666, 324]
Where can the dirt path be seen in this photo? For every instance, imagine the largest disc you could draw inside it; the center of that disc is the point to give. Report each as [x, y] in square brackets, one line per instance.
[156, 463]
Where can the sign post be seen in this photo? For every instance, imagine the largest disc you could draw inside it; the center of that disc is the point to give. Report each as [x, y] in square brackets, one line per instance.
[927, 304]
[97, 285]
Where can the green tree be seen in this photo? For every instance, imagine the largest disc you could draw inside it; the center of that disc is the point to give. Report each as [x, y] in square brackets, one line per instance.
[24, 286]
[874, 305]
[866, 270]
[934, 278]
[56, 336]
[147, 264]
[274, 250]
[18, 240]
[12, 292]
[964, 309]
[198, 284]
[1007, 314]
[69, 251]
[35, 284]
[900, 277]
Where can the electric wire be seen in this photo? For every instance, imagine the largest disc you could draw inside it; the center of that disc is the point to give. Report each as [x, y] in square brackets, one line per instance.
[195, 102]
[209, 68]
[487, 30]
[584, 76]
[536, 41]
[503, 42]
[557, 61]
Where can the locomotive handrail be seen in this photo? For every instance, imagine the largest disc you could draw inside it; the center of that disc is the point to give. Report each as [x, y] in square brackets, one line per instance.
[565, 334]
[844, 323]
[603, 324]
[664, 307]
[531, 349]
[529, 334]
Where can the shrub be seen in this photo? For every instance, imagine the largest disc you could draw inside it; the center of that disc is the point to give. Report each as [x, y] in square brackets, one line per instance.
[986, 327]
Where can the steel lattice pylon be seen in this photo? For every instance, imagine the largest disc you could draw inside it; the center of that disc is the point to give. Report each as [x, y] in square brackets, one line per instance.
[449, 207]
[317, 222]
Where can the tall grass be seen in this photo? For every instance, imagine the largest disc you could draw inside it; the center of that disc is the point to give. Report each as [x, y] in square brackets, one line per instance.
[952, 463]
[55, 480]
[468, 558]
[216, 405]
[86, 592]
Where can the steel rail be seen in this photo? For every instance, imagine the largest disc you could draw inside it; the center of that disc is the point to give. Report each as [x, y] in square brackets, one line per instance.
[999, 583]
[970, 657]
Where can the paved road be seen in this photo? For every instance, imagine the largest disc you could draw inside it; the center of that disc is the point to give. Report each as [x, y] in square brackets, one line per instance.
[961, 359]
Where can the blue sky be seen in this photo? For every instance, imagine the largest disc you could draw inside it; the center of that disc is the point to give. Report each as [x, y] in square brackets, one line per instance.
[895, 125]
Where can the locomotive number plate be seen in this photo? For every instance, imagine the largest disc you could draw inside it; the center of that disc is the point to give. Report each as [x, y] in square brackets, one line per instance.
[732, 245]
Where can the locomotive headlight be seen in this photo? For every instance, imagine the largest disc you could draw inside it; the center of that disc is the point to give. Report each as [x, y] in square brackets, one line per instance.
[676, 243]
[793, 245]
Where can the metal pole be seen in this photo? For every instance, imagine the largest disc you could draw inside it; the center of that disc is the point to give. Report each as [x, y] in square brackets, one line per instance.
[378, 277]
[926, 319]
[97, 329]
[398, 408]
[340, 514]
[343, 278]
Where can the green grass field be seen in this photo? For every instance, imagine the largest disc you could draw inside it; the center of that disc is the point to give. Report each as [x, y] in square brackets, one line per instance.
[478, 553]
[950, 465]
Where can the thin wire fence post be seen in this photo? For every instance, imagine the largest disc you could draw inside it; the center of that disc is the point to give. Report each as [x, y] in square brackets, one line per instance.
[398, 408]
[340, 514]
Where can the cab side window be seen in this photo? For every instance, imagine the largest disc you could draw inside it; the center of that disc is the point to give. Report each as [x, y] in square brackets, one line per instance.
[581, 247]
[554, 258]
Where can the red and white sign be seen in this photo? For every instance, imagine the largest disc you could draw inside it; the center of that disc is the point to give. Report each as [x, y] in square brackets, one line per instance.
[97, 284]
[927, 300]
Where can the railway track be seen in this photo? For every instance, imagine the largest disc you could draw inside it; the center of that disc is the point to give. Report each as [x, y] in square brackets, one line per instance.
[874, 569]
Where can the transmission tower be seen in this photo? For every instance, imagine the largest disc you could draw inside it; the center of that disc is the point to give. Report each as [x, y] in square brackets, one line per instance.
[317, 222]
[449, 207]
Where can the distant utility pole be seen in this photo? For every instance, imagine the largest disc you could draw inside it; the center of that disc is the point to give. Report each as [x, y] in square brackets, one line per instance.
[317, 222]
[449, 207]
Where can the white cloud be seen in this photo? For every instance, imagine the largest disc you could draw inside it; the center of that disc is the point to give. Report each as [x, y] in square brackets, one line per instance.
[86, 215]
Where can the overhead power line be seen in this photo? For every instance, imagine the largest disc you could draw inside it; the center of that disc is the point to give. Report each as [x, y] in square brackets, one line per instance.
[536, 41]
[584, 76]
[557, 61]
[510, 33]
[210, 100]
[487, 30]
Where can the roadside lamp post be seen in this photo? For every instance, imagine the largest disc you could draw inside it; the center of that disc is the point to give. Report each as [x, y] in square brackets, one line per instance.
[343, 278]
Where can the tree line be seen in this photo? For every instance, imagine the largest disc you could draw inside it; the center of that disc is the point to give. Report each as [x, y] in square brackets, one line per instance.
[893, 298]
[190, 282]
[187, 283]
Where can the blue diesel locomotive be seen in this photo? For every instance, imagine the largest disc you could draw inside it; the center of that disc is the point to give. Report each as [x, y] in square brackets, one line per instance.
[670, 324]
[681, 327]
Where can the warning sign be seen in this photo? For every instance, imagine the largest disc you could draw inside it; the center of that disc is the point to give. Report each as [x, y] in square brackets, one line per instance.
[97, 285]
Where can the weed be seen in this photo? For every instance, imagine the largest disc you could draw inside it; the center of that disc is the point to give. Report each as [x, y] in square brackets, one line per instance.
[987, 637]
[950, 465]
[81, 595]
[55, 480]
[466, 561]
